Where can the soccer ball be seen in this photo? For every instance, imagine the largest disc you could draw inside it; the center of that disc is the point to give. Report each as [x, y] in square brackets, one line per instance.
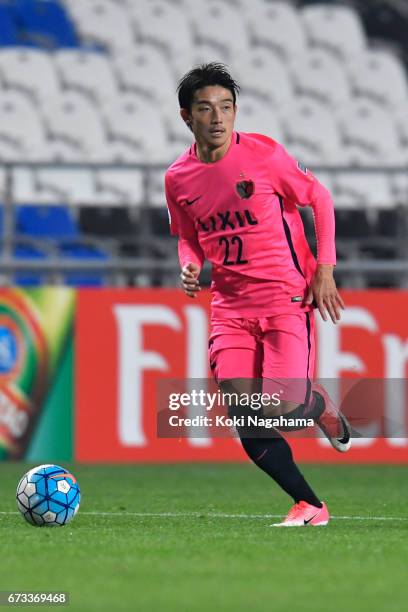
[48, 495]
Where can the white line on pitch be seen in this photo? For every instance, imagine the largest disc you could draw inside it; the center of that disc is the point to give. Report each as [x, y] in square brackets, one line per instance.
[224, 516]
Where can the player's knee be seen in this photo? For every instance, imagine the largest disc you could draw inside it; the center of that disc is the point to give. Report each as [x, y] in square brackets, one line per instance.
[235, 388]
[282, 408]
[239, 411]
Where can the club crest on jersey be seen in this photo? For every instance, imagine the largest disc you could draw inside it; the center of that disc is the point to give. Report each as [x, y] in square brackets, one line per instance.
[245, 189]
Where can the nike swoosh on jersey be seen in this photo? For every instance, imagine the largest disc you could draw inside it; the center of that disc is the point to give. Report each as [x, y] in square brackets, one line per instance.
[190, 202]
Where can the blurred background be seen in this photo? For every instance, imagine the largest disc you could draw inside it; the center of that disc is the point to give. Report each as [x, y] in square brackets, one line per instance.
[88, 124]
[89, 120]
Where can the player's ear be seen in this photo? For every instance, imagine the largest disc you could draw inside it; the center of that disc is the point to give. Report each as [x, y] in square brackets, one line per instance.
[185, 115]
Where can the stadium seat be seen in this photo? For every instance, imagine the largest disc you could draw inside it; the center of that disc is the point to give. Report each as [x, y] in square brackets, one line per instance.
[262, 73]
[212, 20]
[175, 149]
[10, 150]
[21, 129]
[75, 186]
[386, 21]
[52, 222]
[336, 28]
[351, 224]
[308, 81]
[125, 153]
[145, 70]
[8, 27]
[80, 252]
[88, 72]
[56, 223]
[72, 120]
[107, 221]
[276, 25]
[102, 22]
[362, 189]
[311, 133]
[399, 188]
[164, 24]
[308, 223]
[3, 184]
[256, 115]
[119, 186]
[369, 129]
[319, 74]
[324, 177]
[45, 23]
[159, 219]
[304, 152]
[380, 76]
[64, 151]
[129, 119]
[178, 134]
[28, 278]
[200, 53]
[20, 69]
[390, 223]
[399, 117]
[27, 188]
[155, 189]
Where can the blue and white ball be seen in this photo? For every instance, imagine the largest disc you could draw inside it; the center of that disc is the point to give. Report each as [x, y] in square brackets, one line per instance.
[48, 495]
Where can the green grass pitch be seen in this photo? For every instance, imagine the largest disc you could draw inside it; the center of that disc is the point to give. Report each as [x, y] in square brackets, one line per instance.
[197, 538]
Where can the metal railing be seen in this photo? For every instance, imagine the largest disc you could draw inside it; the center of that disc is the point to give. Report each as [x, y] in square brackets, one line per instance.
[354, 271]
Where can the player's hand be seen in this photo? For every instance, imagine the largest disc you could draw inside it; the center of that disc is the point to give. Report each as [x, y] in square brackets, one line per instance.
[189, 279]
[324, 291]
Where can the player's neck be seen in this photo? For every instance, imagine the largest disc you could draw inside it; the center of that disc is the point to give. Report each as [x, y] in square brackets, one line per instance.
[209, 155]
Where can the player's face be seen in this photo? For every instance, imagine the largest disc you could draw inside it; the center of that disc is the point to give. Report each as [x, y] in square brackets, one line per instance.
[212, 117]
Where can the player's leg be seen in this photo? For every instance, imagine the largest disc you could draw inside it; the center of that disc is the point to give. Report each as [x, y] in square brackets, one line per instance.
[288, 345]
[289, 358]
[236, 361]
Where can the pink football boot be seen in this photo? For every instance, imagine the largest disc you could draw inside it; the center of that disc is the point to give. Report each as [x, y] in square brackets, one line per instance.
[333, 423]
[303, 514]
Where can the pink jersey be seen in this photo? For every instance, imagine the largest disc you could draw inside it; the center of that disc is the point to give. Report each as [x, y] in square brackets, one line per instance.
[240, 213]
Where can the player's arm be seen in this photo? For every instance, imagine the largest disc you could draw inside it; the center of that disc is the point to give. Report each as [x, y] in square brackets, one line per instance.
[191, 260]
[297, 184]
[191, 256]
[324, 291]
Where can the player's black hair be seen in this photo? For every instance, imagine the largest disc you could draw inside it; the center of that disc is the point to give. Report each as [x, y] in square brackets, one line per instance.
[213, 73]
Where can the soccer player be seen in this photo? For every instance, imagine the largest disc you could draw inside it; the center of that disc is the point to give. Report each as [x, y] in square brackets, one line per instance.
[232, 199]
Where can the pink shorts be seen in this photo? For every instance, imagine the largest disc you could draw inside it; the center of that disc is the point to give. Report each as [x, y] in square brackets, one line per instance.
[278, 349]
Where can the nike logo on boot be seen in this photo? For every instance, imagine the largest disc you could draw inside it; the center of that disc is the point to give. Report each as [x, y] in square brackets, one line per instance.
[305, 522]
